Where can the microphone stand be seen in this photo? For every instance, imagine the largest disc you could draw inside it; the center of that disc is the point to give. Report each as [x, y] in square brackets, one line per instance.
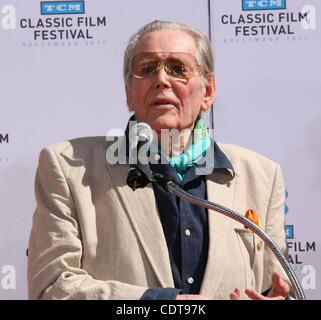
[145, 175]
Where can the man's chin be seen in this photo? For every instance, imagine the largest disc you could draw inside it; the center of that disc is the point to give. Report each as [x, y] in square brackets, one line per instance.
[162, 124]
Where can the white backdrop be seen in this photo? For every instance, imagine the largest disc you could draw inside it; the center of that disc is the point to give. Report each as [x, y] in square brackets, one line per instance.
[53, 90]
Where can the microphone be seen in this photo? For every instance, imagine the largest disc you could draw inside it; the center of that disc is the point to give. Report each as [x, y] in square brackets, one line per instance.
[139, 174]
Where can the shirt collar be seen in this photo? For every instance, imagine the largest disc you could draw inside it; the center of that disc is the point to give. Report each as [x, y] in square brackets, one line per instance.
[221, 161]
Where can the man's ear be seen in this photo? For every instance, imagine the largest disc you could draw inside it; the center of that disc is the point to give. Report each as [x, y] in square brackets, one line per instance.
[129, 97]
[209, 92]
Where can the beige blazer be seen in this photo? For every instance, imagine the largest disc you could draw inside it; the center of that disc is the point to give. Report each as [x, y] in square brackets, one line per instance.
[94, 238]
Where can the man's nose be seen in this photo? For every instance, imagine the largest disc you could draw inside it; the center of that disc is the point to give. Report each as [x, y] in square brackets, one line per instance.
[162, 78]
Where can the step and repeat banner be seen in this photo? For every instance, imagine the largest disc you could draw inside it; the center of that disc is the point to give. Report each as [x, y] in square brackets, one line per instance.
[61, 77]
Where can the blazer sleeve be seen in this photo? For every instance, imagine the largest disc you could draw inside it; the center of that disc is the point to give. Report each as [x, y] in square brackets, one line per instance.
[275, 228]
[55, 244]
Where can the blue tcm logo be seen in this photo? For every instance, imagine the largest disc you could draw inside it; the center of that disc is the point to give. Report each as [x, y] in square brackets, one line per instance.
[248, 5]
[62, 7]
[289, 232]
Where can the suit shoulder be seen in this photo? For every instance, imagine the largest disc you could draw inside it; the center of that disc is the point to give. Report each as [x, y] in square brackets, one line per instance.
[243, 157]
[78, 147]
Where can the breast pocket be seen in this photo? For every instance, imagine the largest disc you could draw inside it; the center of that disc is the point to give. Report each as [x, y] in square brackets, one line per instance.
[252, 248]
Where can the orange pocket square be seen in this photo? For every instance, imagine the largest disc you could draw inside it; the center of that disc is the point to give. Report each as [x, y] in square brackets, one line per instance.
[253, 216]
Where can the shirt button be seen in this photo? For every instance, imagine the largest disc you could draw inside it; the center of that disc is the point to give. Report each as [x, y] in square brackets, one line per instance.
[187, 232]
[190, 280]
[157, 157]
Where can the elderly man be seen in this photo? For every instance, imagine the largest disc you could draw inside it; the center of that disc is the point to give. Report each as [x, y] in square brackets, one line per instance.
[95, 238]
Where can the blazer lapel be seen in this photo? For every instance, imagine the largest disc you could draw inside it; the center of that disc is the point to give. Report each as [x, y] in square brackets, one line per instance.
[220, 189]
[142, 211]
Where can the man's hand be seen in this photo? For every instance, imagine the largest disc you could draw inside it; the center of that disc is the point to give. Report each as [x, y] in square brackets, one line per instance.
[191, 297]
[280, 290]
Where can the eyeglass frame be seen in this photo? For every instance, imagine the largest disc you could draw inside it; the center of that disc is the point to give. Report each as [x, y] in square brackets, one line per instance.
[162, 64]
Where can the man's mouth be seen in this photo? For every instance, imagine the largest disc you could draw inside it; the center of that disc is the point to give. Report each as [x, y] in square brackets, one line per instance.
[163, 102]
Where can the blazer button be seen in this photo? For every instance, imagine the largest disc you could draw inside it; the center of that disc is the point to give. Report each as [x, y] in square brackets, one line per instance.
[259, 246]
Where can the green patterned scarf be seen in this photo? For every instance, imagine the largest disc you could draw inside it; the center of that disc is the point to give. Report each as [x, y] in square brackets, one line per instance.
[194, 150]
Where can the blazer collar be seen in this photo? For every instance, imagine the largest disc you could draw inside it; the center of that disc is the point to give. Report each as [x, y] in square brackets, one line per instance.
[141, 207]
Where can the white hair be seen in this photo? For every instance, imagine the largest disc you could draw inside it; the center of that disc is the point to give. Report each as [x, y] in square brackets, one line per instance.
[203, 45]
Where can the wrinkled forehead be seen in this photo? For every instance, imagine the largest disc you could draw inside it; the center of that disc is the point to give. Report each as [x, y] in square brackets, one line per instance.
[181, 57]
[167, 41]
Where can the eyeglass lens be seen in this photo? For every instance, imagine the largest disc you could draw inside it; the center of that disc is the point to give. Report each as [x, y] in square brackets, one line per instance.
[178, 65]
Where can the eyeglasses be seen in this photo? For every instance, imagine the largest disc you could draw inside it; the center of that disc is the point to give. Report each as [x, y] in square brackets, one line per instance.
[178, 65]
